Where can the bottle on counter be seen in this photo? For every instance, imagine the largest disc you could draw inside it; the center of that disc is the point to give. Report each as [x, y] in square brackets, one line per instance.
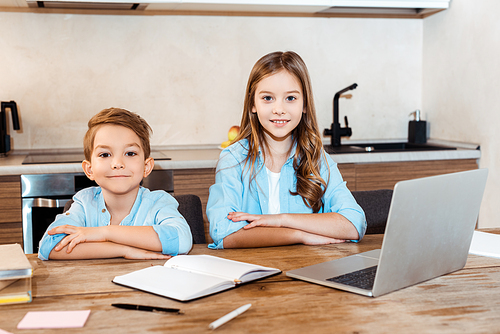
[417, 129]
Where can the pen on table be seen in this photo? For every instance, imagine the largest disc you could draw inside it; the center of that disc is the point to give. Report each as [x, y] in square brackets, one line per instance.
[231, 315]
[147, 308]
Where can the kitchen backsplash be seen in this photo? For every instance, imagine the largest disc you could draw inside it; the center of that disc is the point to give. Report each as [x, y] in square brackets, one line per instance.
[187, 74]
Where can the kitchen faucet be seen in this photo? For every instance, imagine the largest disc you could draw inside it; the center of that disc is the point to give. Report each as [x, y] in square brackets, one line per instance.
[336, 131]
[4, 137]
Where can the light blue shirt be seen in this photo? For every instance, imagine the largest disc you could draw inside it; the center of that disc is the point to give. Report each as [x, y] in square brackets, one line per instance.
[151, 208]
[233, 193]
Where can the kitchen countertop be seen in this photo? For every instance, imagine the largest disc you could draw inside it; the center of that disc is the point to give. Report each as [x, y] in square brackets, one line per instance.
[205, 156]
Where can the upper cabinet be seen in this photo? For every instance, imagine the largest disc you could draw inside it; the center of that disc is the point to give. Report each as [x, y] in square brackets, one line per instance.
[311, 8]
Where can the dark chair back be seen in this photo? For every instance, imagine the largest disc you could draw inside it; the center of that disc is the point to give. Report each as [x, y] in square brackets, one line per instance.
[376, 204]
[190, 208]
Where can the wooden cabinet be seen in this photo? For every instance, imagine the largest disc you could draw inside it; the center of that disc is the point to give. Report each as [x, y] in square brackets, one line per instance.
[348, 172]
[371, 176]
[196, 182]
[11, 229]
[360, 176]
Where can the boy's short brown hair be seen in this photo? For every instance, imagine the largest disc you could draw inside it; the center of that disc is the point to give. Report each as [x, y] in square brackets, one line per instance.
[117, 116]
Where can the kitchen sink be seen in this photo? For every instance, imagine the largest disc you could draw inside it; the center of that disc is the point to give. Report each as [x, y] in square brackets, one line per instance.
[384, 147]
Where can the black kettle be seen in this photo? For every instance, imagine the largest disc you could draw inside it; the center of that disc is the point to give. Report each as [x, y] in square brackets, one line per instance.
[4, 137]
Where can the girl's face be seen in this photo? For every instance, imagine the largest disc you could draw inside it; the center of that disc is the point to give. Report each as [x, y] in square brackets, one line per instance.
[279, 105]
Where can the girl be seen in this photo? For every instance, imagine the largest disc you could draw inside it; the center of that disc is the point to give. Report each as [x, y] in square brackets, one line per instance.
[276, 185]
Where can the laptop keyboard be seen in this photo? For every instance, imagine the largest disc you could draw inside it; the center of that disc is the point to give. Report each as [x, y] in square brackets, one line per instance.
[363, 278]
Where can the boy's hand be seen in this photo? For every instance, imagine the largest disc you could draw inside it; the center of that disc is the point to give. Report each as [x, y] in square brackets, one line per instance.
[133, 253]
[76, 235]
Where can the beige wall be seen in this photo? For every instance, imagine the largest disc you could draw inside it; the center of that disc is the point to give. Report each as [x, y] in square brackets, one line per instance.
[461, 78]
[187, 74]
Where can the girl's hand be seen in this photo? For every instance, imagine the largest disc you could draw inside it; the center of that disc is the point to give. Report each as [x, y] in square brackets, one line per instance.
[256, 220]
[76, 235]
[133, 253]
[315, 239]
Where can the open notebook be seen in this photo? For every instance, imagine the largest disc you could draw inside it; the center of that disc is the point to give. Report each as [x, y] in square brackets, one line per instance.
[186, 277]
[428, 234]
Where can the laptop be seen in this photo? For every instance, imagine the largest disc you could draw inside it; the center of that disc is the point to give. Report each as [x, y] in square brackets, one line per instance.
[428, 234]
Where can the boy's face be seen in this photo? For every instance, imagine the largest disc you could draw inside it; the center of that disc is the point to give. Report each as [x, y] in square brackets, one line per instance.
[117, 163]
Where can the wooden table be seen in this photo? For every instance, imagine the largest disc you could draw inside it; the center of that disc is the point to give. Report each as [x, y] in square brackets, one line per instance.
[465, 301]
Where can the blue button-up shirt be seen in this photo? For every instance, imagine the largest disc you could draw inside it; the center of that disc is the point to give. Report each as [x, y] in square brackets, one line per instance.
[232, 192]
[151, 208]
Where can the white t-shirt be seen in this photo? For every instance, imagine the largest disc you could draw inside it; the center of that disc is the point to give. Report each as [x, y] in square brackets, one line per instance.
[274, 192]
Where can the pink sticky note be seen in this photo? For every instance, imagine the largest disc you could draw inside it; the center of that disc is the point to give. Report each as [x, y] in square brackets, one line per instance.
[4, 332]
[54, 319]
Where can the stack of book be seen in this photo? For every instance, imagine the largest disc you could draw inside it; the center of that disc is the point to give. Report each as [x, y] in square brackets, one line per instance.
[15, 275]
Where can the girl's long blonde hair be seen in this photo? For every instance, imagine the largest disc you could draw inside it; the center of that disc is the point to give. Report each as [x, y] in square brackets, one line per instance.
[307, 159]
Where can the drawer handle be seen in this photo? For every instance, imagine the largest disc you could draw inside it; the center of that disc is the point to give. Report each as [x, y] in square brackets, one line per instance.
[49, 203]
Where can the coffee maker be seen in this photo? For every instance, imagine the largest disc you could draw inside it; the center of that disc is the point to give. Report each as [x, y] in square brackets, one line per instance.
[4, 137]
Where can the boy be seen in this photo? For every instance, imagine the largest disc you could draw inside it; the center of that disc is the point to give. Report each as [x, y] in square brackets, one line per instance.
[119, 218]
